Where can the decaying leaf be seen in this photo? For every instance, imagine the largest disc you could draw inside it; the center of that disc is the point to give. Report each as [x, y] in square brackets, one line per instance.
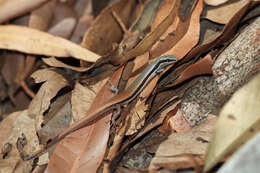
[14, 126]
[32, 41]
[240, 118]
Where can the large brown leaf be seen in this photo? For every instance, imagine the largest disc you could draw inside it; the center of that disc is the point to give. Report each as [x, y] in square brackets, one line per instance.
[84, 149]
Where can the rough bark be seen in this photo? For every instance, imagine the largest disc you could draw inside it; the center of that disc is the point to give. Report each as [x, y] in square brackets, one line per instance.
[234, 67]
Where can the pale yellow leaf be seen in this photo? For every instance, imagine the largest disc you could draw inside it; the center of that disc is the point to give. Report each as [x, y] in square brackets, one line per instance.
[239, 120]
[32, 41]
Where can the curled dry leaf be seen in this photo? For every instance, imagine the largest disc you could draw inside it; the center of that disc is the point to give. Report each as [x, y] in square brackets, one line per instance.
[164, 44]
[52, 61]
[17, 8]
[224, 13]
[180, 144]
[202, 67]
[241, 113]
[11, 69]
[32, 41]
[53, 82]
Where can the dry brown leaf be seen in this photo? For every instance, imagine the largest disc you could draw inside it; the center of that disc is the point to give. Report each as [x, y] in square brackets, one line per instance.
[203, 66]
[150, 39]
[150, 125]
[141, 106]
[225, 34]
[166, 41]
[13, 8]
[57, 118]
[41, 17]
[83, 8]
[63, 22]
[11, 128]
[138, 113]
[82, 98]
[82, 27]
[84, 149]
[141, 111]
[32, 41]
[10, 71]
[53, 82]
[241, 113]
[180, 143]
[224, 13]
[178, 123]
[84, 11]
[105, 30]
[189, 38]
[215, 2]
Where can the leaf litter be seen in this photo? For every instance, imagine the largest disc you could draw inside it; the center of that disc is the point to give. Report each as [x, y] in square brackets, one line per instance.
[76, 58]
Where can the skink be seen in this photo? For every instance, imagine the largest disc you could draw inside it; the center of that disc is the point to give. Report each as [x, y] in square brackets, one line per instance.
[121, 99]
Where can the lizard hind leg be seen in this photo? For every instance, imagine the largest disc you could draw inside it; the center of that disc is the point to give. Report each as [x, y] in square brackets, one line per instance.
[117, 113]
